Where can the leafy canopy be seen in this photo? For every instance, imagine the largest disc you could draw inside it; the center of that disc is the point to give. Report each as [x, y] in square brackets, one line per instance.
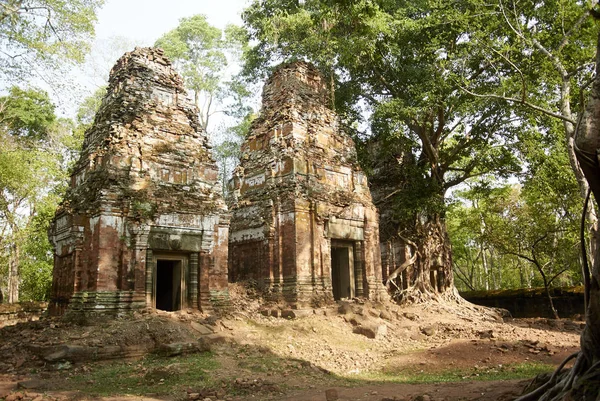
[39, 36]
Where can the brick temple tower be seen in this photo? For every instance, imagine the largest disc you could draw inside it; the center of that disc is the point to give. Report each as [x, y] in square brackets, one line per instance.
[143, 223]
[303, 224]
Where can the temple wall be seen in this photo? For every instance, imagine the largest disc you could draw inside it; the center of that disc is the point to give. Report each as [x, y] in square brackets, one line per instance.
[144, 201]
[298, 188]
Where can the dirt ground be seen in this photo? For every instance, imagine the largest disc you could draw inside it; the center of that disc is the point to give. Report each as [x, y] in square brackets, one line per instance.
[352, 350]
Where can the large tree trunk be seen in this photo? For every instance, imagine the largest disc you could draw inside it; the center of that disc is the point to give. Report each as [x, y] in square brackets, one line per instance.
[431, 275]
[582, 381]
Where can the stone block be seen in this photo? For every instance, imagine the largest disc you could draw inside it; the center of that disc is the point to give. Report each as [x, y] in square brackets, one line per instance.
[371, 330]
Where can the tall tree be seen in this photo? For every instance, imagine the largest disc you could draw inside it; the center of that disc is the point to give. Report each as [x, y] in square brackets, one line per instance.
[478, 263]
[399, 58]
[581, 381]
[541, 54]
[199, 51]
[34, 146]
[40, 37]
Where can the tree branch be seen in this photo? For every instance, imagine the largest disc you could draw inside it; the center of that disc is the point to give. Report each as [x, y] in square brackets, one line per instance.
[524, 103]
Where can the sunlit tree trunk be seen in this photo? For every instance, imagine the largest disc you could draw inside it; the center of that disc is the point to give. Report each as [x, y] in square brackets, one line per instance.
[13, 274]
[580, 382]
[432, 273]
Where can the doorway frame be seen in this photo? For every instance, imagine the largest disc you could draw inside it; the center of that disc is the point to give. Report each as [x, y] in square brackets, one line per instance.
[349, 245]
[183, 258]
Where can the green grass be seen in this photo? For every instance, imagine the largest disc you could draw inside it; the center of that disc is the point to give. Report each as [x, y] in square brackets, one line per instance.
[526, 370]
[144, 376]
[155, 375]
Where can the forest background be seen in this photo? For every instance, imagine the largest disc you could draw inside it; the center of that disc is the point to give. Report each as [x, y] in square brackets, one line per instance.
[476, 103]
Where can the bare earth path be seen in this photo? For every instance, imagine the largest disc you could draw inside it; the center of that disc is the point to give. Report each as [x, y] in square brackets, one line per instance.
[437, 352]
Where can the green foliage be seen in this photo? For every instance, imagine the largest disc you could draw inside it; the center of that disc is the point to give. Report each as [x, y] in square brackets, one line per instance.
[401, 59]
[28, 113]
[198, 48]
[41, 36]
[228, 151]
[35, 152]
[177, 374]
[200, 52]
[37, 257]
[520, 235]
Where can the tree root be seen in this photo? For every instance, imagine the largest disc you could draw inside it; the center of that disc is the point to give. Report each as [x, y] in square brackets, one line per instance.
[578, 383]
[449, 301]
[541, 389]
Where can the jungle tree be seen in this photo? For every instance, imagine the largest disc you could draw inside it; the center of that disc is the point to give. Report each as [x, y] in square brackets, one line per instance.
[400, 59]
[581, 381]
[34, 151]
[41, 37]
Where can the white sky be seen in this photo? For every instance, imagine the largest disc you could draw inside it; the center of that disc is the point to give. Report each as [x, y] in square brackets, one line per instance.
[124, 24]
[146, 20]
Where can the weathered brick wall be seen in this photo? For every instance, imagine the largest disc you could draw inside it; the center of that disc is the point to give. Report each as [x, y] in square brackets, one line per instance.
[298, 186]
[145, 183]
[21, 312]
[531, 302]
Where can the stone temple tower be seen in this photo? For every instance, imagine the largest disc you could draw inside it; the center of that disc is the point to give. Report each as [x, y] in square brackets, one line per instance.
[143, 223]
[303, 223]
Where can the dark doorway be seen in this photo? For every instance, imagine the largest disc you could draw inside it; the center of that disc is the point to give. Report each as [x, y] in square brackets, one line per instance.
[342, 271]
[168, 285]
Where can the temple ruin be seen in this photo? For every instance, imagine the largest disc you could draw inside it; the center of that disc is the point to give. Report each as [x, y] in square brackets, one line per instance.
[303, 223]
[143, 223]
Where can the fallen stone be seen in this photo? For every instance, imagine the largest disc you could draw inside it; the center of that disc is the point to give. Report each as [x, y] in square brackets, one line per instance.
[175, 349]
[386, 315]
[14, 397]
[226, 326]
[331, 394]
[207, 341]
[295, 313]
[32, 384]
[202, 329]
[6, 389]
[345, 309]
[371, 331]
[410, 316]
[372, 312]
[485, 333]
[429, 330]
[67, 352]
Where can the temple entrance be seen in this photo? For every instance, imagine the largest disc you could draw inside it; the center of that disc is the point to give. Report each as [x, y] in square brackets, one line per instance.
[168, 284]
[342, 269]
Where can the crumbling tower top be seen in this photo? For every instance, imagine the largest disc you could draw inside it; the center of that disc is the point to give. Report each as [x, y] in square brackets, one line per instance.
[143, 87]
[297, 83]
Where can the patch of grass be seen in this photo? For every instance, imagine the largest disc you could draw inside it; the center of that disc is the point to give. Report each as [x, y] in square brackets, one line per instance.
[507, 372]
[275, 329]
[151, 375]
